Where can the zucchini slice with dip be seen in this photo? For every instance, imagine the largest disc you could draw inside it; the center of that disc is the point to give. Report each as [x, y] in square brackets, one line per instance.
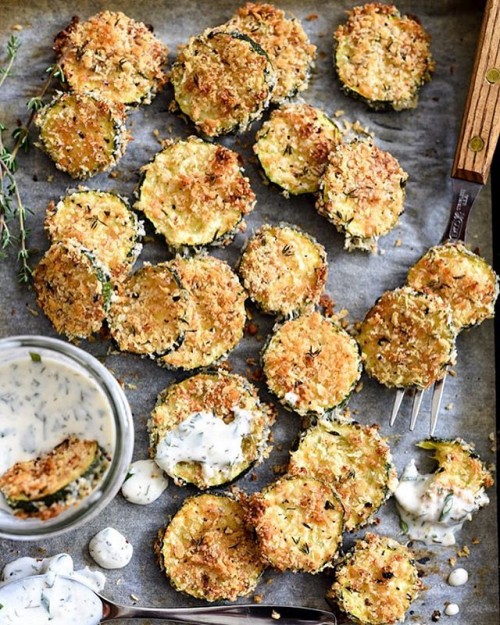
[210, 428]
[216, 313]
[47, 485]
[299, 522]
[377, 581]
[354, 459]
[407, 339]
[102, 222]
[84, 136]
[148, 311]
[283, 269]
[194, 193]
[382, 57]
[433, 507]
[284, 40]
[461, 278]
[311, 364]
[362, 193]
[293, 147]
[208, 551]
[222, 81]
[73, 289]
[112, 57]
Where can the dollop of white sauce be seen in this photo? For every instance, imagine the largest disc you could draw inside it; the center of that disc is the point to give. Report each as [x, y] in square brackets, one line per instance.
[431, 516]
[44, 401]
[40, 592]
[110, 549]
[451, 609]
[144, 483]
[458, 577]
[291, 398]
[206, 439]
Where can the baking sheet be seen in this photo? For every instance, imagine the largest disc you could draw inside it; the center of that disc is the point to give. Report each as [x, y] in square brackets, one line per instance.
[423, 140]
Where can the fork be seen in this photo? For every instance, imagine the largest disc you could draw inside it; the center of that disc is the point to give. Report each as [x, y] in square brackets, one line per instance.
[471, 166]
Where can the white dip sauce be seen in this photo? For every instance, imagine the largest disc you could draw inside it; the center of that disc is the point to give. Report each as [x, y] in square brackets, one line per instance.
[42, 403]
[206, 439]
[110, 549]
[41, 593]
[144, 483]
[451, 609]
[458, 577]
[430, 516]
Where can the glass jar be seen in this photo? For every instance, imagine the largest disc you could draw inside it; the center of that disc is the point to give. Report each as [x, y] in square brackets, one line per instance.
[81, 367]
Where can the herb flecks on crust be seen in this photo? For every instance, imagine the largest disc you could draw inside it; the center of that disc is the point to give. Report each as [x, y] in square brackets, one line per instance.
[407, 339]
[283, 269]
[354, 459]
[377, 581]
[83, 135]
[293, 147]
[362, 193]
[216, 312]
[222, 81]
[382, 57]
[461, 278]
[113, 57]
[73, 289]
[298, 521]
[311, 364]
[284, 40]
[195, 193]
[208, 551]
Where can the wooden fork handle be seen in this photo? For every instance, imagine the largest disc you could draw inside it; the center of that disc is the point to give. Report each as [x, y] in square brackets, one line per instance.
[481, 121]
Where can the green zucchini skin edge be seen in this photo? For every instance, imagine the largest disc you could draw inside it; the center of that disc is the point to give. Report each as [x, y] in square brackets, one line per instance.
[93, 473]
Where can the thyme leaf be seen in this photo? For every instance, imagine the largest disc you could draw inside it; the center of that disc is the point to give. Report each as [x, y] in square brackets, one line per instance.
[11, 204]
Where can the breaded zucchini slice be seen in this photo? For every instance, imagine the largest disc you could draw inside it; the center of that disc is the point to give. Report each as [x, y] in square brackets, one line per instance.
[208, 551]
[434, 506]
[298, 521]
[194, 193]
[285, 42]
[73, 289]
[148, 312]
[112, 57]
[382, 57]
[216, 313]
[210, 428]
[293, 147]
[461, 278]
[102, 222]
[222, 81]
[351, 458]
[407, 339]
[377, 581]
[283, 269]
[362, 193]
[460, 470]
[84, 136]
[311, 364]
[49, 484]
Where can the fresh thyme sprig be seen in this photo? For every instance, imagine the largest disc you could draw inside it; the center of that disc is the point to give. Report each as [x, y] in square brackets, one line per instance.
[12, 47]
[11, 204]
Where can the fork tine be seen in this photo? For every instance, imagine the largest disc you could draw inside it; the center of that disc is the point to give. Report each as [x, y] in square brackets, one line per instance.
[400, 393]
[417, 401]
[437, 395]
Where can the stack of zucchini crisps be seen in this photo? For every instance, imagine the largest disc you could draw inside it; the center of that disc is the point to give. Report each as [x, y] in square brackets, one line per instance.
[189, 312]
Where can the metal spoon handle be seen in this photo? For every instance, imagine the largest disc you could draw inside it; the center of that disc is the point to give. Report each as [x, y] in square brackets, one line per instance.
[225, 615]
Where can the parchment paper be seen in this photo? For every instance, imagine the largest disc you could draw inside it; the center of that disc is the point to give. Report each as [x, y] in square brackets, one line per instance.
[423, 140]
